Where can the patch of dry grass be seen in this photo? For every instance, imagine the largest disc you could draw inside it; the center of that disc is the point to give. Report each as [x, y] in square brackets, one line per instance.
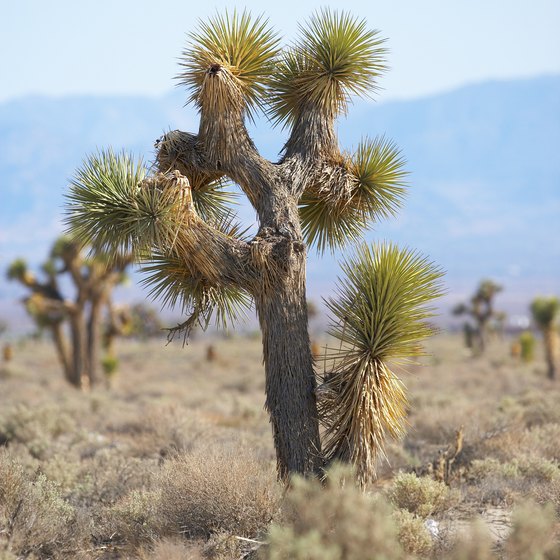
[217, 491]
[177, 462]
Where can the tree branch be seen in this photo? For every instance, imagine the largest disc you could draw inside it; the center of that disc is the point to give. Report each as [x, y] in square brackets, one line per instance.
[205, 251]
[223, 147]
[313, 137]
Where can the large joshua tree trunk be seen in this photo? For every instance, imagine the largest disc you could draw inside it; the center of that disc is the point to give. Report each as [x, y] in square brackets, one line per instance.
[290, 380]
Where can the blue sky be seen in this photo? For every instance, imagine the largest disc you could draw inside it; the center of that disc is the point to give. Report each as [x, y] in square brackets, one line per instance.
[131, 46]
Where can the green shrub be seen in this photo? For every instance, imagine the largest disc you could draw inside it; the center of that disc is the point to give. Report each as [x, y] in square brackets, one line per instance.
[422, 496]
[527, 342]
[336, 522]
[413, 534]
[34, 518]
[132, 521]
[533, 533]
[36, 428]
[532, 468]
[110, 365]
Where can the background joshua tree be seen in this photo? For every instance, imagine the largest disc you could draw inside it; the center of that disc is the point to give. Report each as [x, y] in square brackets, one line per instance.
[481, 309]
[143, 321]
[545, 311]
[93, 281]
[178, 223]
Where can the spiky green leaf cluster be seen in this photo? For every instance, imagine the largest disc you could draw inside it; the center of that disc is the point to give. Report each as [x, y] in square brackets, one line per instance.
[49, 268]
[17, 269]
[246, 47]
[486, 291]
[379, 316]
[332, 217]
[171, 283]
[106, 207]
[545, 310]
[109, 209]
[212, 202]
[65, 248]
[382, 307]
[336, 56]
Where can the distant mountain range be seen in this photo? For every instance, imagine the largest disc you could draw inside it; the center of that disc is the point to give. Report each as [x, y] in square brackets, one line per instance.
[485, 176]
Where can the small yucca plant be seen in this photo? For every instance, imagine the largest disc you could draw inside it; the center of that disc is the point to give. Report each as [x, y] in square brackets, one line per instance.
[527, 346]
[380, 317]
[545, 311]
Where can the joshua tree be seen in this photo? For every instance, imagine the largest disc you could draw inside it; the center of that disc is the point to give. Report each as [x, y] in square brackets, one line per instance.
[177, 222]
[545, 311]
[481, 309]
[93, 281]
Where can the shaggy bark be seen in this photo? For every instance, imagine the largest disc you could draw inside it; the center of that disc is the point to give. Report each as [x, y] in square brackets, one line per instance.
[290, 381]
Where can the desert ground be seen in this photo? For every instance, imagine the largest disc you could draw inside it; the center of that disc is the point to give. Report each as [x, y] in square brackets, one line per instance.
[176, 460]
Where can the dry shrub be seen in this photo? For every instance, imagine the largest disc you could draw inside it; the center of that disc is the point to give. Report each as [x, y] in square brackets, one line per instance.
[171, 549]
[422, 496]
[34, 519]
[500, 483]
[549, 494]
[413, 534]
[336, 522]
[492, 491]
[540, 407]
[37, 428]
[109, 476]
[224, 546]
[533, 533]
[543, 441]
[503, 446]
[474, 544]
[224, 490]
[129, 523]
[167, 431]
[161, 432]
